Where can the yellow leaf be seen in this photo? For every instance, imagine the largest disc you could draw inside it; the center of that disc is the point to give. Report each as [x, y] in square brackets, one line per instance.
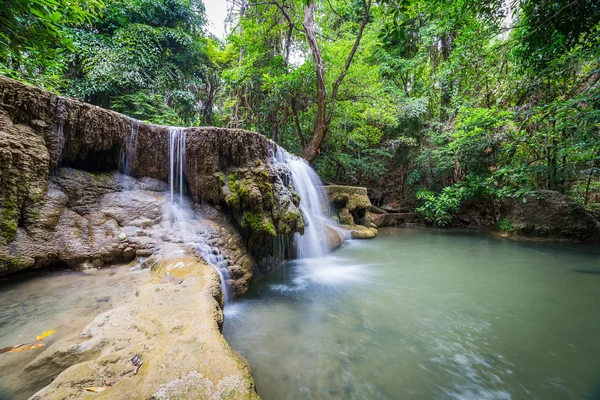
[23, 348]
[46, 334]
[97, 389]
[9, 348]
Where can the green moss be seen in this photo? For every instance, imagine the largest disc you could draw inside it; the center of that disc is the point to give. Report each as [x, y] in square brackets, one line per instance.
[9, 219]
[233, 199]
[16, 260]
[263, 172]
[36, 215]
[253, 191]
[259, 223]
[97, 177]
[290, 222]
[220, 177]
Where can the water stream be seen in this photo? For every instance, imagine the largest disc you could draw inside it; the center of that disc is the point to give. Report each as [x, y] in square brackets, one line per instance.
[177, 140]
[312, 204]
[420, 314]
[185, 220]
[129, 148]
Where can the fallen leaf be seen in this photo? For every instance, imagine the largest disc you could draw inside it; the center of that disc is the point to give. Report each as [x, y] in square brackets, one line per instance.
[97, 389]
[9, 348]
[46, 334]
[30, 347]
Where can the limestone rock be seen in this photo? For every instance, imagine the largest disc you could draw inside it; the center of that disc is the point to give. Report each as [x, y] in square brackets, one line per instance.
[24, 162]
[40, 131]
[173, 327]
[393, 219]
[80, 229]
[334, 236]
[350, 204]
[360, 232]
[550, 214]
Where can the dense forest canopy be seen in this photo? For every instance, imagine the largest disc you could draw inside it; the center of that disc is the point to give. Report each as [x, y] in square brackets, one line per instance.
[431, 103]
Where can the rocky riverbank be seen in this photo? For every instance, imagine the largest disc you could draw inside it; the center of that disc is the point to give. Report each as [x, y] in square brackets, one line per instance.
[62, 203]
[166, 344]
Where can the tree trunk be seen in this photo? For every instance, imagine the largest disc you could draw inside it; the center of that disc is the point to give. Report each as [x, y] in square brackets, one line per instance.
[312, 147]
[323, 116]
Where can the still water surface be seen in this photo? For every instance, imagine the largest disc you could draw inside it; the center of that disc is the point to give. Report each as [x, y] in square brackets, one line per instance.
[67, 301]
[418, 314]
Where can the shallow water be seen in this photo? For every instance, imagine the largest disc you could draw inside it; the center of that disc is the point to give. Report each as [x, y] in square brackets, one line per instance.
[420, 314]
[67, 300]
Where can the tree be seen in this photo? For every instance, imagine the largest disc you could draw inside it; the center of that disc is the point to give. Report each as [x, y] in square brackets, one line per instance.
[35, 34]
[148, 59]
[282, 22]
[325, 113]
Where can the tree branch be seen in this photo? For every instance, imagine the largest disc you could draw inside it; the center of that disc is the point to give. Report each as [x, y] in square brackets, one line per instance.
[367, 5]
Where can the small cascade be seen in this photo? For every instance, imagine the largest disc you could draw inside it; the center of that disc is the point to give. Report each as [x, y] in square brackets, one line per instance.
[61, 117]
[312, 204]
[177, 138]
[129, 147]
[185, 219]
[187, 224]
[213, 256]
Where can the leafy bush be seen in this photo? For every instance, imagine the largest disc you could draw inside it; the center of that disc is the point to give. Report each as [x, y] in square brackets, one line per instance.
[439, 208]
[504, 225]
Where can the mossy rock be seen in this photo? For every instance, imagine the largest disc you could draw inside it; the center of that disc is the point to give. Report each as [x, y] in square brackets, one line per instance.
[361, 232]
[350, 204]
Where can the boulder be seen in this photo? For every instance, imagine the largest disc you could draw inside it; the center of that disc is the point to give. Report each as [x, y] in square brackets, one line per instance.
[360, 232]
[550, 214]
[334, 236]
[349, 204]
[393, 219]
[476, 213]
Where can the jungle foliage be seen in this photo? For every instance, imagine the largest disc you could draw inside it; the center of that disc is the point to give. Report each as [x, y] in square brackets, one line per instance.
[427, 102]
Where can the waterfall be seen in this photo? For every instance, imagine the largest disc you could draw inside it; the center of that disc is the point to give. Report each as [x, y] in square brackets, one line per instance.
[185, 218]
[187, 224]
[215, 259]
[177, 138]
[129, 147]
[313, 243]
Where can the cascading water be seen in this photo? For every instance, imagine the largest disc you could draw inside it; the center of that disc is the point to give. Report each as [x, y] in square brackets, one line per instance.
[312, 204]
[185, 219]
[177, 138]
[129, 148]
